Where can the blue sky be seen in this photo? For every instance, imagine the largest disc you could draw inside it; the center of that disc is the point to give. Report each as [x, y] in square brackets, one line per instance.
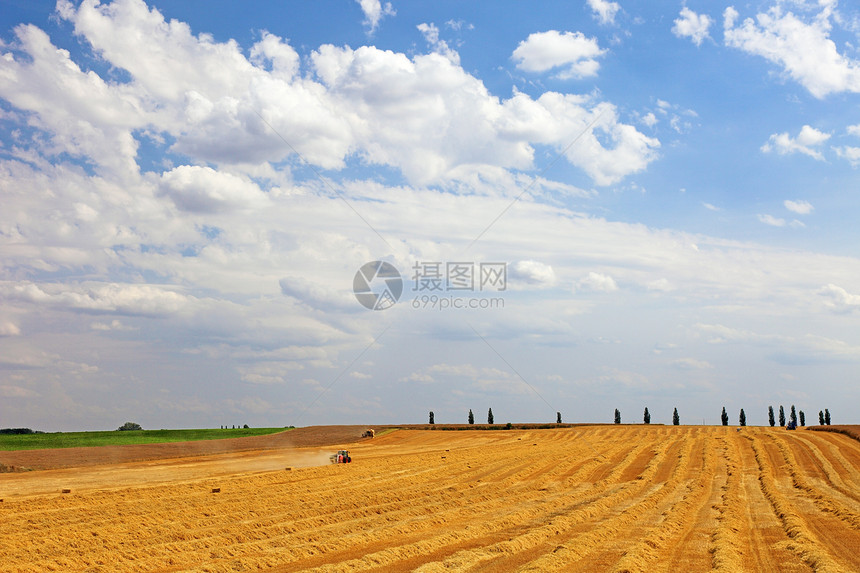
[190, 187]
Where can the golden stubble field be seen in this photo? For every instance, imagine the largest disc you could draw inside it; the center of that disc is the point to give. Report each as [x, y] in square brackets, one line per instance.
[606, 498]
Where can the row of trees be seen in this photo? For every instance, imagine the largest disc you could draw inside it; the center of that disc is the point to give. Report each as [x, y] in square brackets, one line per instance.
[797, 417]
[490, 418]
[823, 417]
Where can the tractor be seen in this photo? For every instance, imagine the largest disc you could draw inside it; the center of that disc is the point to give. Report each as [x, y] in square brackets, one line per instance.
[341, 457]
[368, 434]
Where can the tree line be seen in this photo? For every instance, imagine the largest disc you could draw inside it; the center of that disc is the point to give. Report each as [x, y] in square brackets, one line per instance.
[490, 418]
[796, 417]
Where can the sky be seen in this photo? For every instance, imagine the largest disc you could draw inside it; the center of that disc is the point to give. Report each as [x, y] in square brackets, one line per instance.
[357, 212]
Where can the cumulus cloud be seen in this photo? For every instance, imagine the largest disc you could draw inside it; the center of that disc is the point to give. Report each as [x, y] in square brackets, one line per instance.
[839, 300]
[424, 115]
[112, 325]
[131, 299]
[374, 11]
[803, 49]
[852, 154]
[604, 10]
[691, 364]
[778, 221]
[799, 207]
[9, 328]
[692, 25]
[597, 282]
[572, 51]
[440, 46]
[806, 142]
[205, 190]
[532, 273]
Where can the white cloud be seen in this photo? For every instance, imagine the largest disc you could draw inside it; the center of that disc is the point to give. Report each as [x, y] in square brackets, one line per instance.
[852, 154]
[839, 299]
[771, 220]
[597, 282]
[431, 34]
[205, 190]
[604, 10]
[799, 207]
[806, 143]
[711, 207]
[132, 299]
[572, 51]
[803, 49]
[691, 364]
[692, 25]
[112, 325]
[649, 119]
[533, 273]
[374, 11]
[9, 391]
[9, 328]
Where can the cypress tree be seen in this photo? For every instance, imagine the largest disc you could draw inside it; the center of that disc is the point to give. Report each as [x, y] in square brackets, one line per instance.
[471, 417]
[558, 417]
[793, 415]
[724, 417]
[676, 420]
[770, 417]
[820, 418]
[647, 417]
[743, 418]
[781, 416]
[490, 416]
[802, 418]
[432, 418]
[617, 416]
[826, 416]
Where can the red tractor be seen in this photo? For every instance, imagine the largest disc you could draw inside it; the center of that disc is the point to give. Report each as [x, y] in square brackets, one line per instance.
[341, 457]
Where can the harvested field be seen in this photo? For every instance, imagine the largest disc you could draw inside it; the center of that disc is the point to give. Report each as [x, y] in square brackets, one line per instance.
[606, 498]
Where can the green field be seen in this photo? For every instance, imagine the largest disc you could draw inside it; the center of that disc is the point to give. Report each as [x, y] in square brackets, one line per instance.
[120, 438]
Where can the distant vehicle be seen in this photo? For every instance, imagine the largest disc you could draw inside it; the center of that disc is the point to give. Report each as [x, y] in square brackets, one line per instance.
[791, 425]
[369, 433]
[341, 457]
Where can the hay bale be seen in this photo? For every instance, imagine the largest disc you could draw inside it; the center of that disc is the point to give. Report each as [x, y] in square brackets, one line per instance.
[216, 490]
[66, 491]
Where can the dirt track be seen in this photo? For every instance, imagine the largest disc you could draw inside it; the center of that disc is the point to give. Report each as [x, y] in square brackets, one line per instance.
[628, 498]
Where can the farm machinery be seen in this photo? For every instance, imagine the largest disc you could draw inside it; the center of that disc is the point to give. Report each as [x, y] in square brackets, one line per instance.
[368, 433]
[341, 457]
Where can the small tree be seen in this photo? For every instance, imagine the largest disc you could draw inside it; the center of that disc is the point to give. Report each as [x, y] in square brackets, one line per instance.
[490, 416]
[676, 419]
[558, 417]
[743, 418]
[129, 426]
[724, 417]
[793, 416]
[820, 418]
[647, 416]
[770, 417]
[826, 416]
[802, 418]
[617, 416]
[432, 417]
[471, 417]
[781, 416]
